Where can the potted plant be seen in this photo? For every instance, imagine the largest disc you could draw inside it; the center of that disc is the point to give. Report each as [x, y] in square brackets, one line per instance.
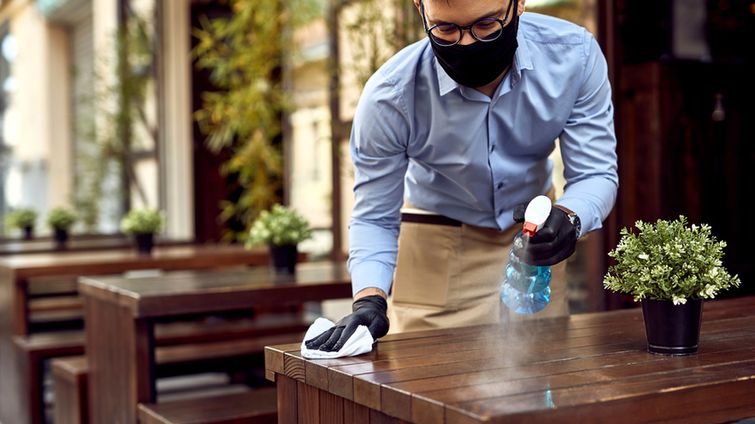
[60, 220]
[24, 220]
[670, 267]
[281, 229]
[143, 224]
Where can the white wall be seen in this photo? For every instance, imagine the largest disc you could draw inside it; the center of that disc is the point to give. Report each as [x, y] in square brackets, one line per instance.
[176, 138]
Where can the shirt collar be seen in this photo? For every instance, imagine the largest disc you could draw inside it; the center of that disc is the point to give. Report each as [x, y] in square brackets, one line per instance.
[522, 60]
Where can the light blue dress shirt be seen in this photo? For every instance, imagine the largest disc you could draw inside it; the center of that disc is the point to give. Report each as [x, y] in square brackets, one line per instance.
[454, 151]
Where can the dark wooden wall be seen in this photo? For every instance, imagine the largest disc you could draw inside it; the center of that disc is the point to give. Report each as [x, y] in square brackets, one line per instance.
[685, 125]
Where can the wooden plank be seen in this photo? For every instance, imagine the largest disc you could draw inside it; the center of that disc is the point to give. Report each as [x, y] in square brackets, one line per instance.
[258, 406]
[273, 360]
[340, 384]
[459, 378]
[396, 403]
[366, 393]
[315, 375]
[294, 367]
[427, 411]
[538, 404]
[216, 291]
[287, 400]
[331, 408]
[117, 261]
[355, 413]
[117, 346]
[308, 399]
[609, 374]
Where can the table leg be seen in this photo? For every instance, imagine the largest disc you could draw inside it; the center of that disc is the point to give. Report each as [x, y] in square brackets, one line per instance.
[121, 353]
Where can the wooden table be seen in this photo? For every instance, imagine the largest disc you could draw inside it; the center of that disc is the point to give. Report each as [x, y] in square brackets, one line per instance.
[35, 277]
[121, 314]
[17, 272]
[586, 368]
[76, 244]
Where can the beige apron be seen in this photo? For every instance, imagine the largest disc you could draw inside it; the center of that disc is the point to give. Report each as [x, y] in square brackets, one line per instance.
[450, 276]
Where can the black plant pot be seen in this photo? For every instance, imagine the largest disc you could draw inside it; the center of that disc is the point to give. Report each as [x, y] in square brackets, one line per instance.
[61, 237]
[144, 243]
[284, 258]
[28, 232]
[672, 329]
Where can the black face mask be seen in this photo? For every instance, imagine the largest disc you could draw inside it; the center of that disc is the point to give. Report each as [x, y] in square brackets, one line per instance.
[479, 63]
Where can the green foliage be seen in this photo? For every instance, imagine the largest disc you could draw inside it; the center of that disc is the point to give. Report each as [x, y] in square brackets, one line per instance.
[142, 221]
[279, 226]
[376, 35]
[21, 218]
[245, 55]
[61, 218]
[669, 260]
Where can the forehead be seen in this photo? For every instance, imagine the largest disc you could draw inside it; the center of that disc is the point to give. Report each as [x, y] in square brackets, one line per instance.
[461, 11]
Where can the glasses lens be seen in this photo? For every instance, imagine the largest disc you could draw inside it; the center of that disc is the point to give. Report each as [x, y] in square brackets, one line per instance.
[445, 34]
[487, 29]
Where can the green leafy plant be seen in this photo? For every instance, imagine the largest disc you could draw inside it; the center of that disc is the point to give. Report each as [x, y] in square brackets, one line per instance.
[246, 55]
[142, 221]
[61, 218]
[279, 226]
[21, 218]
[669, 260]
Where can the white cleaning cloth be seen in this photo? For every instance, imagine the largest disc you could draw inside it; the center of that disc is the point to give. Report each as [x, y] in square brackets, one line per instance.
[360, 342]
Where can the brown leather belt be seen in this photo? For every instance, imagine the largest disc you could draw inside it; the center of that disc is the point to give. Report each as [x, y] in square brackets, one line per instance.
[429, 219]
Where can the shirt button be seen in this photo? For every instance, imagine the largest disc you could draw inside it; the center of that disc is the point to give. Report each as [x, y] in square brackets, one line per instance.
[499, 186]
[492, 148]
[500, 211]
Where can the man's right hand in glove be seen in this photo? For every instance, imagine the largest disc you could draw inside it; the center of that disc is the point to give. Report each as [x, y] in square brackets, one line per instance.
[370, 311]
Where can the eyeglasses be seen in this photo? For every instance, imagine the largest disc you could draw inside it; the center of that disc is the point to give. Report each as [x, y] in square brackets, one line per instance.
[449, 34]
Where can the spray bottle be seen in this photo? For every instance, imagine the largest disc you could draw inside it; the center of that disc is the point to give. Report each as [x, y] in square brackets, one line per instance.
[525, 288]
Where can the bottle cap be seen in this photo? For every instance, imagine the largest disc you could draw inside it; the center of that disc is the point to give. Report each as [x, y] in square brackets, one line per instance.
[536, 214]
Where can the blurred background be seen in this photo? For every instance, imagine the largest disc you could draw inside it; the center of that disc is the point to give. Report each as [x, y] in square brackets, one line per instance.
[214, 110]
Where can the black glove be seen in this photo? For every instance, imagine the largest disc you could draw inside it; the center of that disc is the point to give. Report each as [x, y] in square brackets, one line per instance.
[552, 243]
[369, 310]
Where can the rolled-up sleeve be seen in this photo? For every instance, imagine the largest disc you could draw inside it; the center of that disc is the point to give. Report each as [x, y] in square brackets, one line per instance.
[588, 145]
[379, 137]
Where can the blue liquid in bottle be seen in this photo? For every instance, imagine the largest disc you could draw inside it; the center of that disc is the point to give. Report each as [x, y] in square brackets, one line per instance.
[525, 288]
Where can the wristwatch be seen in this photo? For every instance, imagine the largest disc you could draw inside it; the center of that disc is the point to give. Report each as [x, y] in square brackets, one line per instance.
[573, 218]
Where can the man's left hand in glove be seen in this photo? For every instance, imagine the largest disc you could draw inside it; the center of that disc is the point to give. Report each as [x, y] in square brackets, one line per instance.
[555, 241]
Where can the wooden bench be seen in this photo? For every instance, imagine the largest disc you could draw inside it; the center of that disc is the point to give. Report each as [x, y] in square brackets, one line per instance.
[69, 376]
[255, 407]
[56, 312]
[182, 347]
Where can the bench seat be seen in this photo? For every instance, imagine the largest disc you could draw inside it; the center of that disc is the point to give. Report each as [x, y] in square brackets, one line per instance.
[254, 407]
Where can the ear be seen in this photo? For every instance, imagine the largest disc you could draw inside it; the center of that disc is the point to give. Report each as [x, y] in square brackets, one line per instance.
[416, 4]
[520, 7]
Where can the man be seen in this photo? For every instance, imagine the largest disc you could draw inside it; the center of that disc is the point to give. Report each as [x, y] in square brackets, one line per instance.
[457, 128]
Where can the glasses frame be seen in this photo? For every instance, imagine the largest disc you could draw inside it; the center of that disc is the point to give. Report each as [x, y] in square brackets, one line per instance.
[461, 28]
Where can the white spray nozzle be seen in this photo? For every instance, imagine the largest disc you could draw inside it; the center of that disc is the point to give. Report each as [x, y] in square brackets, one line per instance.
[535, 215]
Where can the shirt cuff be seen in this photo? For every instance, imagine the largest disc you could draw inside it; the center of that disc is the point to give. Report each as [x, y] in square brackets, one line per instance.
[371, 274]
[587, 219]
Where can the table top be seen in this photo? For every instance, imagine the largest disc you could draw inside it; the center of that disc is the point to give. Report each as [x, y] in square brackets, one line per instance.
[585, 367]
[127, 259]
[179, 293]
[75, 244]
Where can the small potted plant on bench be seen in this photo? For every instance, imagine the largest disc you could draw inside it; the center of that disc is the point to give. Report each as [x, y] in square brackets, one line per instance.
[23, 219]
[143, 224]
[670, 267]
[60, 220]
[281, 229]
